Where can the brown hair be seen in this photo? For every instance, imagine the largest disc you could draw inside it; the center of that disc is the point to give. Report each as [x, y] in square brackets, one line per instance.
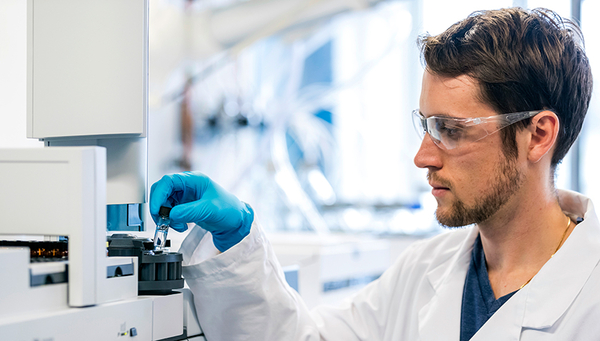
[523, 60]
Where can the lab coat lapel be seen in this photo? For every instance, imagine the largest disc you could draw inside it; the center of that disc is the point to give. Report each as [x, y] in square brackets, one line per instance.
[506, 322]
[551, 292]
[439, 319]
[560, 280]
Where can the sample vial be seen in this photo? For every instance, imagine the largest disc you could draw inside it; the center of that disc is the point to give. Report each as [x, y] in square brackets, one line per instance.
[162, 228]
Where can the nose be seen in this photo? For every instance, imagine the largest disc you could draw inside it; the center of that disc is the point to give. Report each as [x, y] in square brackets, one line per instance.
[428, 155]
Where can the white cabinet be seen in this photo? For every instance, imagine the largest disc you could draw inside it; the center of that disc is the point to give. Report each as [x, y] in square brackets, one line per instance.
[87, 68]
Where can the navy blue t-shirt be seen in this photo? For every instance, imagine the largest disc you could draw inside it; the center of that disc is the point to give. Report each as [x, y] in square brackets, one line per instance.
[478, 301]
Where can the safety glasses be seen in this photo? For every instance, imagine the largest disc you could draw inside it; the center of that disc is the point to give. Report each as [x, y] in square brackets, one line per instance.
[452, 132]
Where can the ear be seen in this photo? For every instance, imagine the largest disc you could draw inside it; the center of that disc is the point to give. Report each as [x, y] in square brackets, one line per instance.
[544, 132]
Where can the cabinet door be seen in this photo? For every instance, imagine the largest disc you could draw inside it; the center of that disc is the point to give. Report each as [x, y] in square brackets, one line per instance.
[87, 66]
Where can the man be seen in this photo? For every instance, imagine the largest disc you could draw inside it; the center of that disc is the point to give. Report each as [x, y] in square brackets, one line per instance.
[504, 96]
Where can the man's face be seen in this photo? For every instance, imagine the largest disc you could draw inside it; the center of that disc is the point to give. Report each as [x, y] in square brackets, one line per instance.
[472, 182]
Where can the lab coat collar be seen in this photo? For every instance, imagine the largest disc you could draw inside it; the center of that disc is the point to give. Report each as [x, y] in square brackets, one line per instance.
[560, 280]
[439, 319]
[538, 305]
[542, 302]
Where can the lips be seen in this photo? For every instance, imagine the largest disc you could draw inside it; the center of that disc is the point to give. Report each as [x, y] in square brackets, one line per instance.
[440, 191]
[435, 186]
[438, 183]
[439, 186]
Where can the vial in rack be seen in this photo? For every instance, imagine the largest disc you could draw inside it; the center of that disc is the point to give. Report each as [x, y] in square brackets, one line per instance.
[162, 228]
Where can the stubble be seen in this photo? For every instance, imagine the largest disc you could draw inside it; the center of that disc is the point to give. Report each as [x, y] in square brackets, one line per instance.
[506, 182]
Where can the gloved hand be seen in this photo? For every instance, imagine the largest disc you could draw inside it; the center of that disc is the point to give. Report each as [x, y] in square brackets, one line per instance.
[196, 198]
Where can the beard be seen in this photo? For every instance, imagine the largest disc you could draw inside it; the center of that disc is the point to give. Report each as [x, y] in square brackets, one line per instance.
[507, 181]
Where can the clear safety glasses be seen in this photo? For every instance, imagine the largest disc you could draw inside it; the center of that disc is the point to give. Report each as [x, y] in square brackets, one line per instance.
[451, 132]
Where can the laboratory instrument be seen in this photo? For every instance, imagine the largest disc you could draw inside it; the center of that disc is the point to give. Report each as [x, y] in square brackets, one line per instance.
[87, 85]
[159, 271]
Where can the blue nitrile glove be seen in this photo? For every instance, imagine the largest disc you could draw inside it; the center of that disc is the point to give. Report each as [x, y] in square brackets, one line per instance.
[196, 198]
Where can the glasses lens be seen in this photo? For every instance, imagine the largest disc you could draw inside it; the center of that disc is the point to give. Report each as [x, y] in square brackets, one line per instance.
[427, 125]
[446, 131]
[418, 123]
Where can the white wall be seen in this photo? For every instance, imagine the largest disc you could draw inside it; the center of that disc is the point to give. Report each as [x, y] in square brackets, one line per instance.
[13, 62]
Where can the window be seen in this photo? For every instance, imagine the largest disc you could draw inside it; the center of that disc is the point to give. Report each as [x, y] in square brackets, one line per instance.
[311, 122]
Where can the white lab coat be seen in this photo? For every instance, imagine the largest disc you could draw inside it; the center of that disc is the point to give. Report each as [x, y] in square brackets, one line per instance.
[242, 294]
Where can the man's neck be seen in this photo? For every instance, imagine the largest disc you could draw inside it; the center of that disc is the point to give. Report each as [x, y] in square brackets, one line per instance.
[521, 238]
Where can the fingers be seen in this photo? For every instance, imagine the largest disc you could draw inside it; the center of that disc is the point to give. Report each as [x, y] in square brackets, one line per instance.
[183, 192]
[179, 227]
[192, 212]
[162, 190]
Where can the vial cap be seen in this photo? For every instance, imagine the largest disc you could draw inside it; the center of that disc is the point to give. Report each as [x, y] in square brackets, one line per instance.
[148, 245]
[164, 211]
